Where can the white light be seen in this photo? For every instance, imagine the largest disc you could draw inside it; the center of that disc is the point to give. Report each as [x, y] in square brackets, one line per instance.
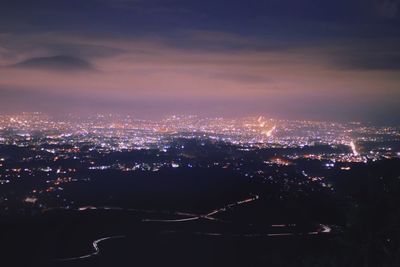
[353, 148]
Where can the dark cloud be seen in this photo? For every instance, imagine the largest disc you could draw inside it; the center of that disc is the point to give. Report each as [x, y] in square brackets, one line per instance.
[37, 45]
[362, 54]
[82, 50]
[373, 61]
[56, 63]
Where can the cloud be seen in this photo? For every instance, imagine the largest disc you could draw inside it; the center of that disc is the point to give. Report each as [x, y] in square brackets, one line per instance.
[372, 61]
[18, 47]
[154, 72]
[364, 55]
[55, 63]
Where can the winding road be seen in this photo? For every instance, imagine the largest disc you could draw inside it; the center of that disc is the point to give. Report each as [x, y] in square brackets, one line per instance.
[324, 229]
[96, 248]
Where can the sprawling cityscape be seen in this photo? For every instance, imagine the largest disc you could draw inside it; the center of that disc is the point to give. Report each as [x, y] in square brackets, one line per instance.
[245, 178]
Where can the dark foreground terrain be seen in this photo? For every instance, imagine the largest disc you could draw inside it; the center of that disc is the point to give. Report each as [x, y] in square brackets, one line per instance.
[221, 206]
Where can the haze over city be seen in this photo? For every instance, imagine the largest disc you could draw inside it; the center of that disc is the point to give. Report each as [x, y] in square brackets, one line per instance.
[324, 60]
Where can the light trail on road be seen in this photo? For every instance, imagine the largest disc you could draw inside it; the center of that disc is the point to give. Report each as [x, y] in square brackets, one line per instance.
[324, 229]
[96, 248]
[208, 216]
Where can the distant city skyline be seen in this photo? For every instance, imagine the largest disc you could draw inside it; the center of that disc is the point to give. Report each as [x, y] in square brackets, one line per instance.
[319, 60]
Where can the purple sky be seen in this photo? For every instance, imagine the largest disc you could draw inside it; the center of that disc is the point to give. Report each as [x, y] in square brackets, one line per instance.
[336, 60]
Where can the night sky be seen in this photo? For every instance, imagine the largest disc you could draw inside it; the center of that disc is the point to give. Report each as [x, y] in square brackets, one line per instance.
[311, 59]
